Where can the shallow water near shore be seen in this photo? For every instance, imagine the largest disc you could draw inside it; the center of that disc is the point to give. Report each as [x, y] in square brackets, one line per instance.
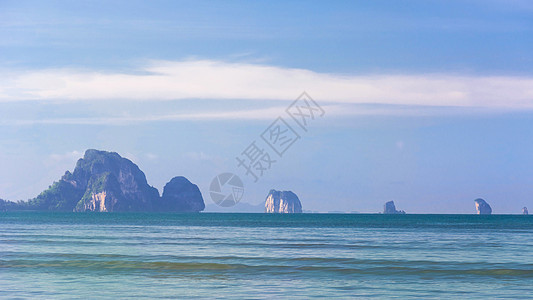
[128, 255]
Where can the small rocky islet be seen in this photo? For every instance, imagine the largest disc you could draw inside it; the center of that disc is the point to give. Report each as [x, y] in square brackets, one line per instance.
[389, 208]
[282, 202]
[482, 207]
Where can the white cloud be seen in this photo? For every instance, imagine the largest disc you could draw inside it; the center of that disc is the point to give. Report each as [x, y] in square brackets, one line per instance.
[207, 79]
[252, 114]
[269, 113]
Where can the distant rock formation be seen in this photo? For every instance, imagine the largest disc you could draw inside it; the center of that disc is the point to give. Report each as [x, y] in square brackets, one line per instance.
[282, 202]
[180, 195]
[110, 183]
[482, 207]
[524, 211]
[106, 182]
[390, 208]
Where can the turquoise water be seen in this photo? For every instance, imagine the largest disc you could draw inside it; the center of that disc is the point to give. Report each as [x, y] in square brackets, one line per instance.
[111, 255]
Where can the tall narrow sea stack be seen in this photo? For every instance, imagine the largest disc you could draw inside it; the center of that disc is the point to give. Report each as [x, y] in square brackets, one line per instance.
[282, 202]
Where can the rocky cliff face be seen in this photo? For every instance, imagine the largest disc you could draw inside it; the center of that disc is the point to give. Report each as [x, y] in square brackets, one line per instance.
[111, 183]
[182, 196]
[482, 207]
[106, 182]
[282, 202]
[390, 208]
[524, 211]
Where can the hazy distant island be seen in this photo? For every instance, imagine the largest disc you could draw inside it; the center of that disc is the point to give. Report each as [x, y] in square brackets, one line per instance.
[390, 208]
[482, 207]
[106, 182]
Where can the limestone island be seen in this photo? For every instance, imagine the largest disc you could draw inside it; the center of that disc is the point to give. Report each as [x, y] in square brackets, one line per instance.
[482, 207]
[285, 202]
[390, 208]
[106, 182]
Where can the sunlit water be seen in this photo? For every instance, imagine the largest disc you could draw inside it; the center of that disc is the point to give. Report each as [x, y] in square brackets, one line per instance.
[88, 256]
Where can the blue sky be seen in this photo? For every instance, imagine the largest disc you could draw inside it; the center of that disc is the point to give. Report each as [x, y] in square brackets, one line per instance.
[428, 103]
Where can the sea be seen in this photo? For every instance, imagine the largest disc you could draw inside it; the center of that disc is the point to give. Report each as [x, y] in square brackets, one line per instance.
[264, 256]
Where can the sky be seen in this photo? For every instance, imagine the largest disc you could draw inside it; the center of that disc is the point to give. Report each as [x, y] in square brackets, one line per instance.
[427, 103]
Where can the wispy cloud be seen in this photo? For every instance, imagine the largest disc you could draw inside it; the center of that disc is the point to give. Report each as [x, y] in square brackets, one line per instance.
[251, 114]
[207, 79]
[264, 114]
